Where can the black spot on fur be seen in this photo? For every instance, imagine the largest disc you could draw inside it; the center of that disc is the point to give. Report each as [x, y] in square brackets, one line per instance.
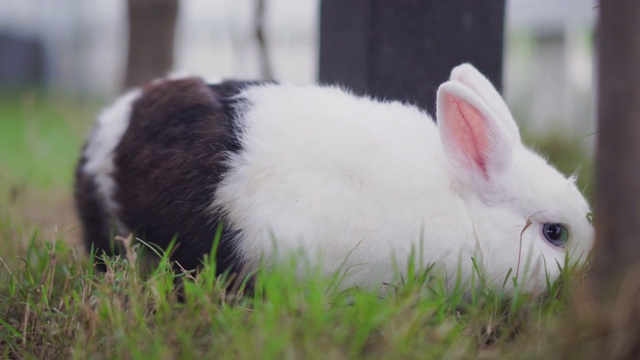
[167, 167]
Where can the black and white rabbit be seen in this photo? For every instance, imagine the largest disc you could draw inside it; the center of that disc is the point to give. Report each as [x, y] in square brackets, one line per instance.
[354, 183]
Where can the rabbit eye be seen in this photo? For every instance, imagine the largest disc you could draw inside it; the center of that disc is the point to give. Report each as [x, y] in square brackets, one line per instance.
[555, 233]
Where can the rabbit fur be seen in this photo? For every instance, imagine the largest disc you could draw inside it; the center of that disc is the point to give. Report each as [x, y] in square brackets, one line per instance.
[354, 184]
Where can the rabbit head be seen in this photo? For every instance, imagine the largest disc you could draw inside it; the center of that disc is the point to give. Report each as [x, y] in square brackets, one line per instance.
[526, 216]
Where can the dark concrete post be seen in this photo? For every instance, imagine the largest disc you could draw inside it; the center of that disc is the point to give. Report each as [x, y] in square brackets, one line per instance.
[404, 49]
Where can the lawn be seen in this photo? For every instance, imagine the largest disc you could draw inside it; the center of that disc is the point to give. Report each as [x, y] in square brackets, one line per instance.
[53, 304]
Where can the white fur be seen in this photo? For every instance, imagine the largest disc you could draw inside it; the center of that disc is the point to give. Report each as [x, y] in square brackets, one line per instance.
[357, 184]
[105, 136]
[337, 176]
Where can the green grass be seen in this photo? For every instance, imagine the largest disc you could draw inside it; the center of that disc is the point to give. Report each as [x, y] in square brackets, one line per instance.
[53, 304]
[39, 141]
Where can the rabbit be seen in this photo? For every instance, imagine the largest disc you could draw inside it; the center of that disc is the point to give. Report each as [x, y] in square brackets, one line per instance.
[354, 184]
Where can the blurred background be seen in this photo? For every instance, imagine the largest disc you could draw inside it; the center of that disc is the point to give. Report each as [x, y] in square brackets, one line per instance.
[61, 60]
[78, 48]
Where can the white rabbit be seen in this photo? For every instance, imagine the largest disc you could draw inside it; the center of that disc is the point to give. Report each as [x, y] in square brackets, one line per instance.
[354, 183]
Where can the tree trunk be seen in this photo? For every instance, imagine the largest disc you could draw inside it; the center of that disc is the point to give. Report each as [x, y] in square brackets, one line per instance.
[151, 39]
[618, 160]
[616, 277]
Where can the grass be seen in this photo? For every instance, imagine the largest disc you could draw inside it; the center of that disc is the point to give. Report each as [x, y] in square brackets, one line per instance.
[39, 141]
[53, 305]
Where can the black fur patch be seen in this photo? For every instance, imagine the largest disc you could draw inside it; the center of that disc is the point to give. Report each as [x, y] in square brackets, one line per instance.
[97, 229]
[167, 166]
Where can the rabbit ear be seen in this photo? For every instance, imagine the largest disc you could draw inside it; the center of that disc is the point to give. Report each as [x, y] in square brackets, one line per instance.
[474, 140]
[474, 80]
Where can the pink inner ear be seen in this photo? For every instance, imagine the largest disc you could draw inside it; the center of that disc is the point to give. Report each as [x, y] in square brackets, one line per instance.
[469, 131]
